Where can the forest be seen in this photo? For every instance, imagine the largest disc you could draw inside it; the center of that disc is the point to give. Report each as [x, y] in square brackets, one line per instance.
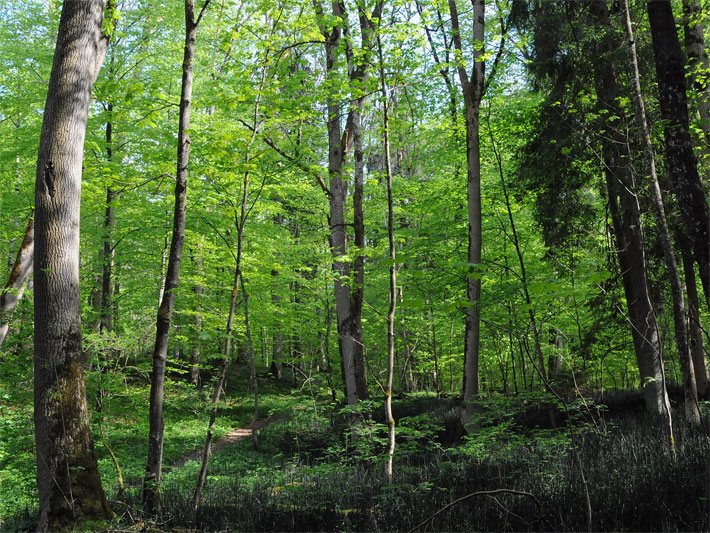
[356, 265]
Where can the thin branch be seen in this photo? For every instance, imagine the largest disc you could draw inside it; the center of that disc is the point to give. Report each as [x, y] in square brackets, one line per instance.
[485, 493]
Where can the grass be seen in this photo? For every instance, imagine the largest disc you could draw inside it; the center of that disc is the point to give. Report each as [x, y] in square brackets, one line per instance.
[312, 473]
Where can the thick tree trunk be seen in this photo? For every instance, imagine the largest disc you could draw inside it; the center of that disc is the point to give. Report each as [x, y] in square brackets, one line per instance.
[680, 159]
[626, 223]
[337, 151]
[16, 281]
[698, 63]
[151, 484]
[67, 474]
[692, 409]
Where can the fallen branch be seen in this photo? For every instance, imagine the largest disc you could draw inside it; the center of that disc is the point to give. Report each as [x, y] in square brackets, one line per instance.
[484, 493]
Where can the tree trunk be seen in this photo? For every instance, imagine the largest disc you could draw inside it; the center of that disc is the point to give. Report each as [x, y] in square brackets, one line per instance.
[107, 253]
[16, 281]
[348, 292]
[195, 352]
[151, 483]
[626, 223]
[392, 270]
[695, 330]
[239, 222]
[698, 63]
[692, 409]
[680, 159]
[540, 364]
[472, 88]
[67, 474]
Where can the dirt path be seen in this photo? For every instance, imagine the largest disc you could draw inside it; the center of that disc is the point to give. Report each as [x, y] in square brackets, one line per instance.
[230, 438]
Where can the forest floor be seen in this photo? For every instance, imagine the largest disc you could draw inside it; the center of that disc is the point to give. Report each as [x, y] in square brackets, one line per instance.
[230, 438]
[600, 466]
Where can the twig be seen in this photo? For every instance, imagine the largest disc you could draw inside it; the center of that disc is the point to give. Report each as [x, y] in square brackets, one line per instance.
[484, 493]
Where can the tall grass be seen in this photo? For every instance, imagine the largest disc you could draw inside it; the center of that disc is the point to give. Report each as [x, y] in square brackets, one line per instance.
[630, 477]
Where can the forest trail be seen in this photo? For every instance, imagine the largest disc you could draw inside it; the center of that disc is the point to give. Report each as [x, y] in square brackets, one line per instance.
[230, 438]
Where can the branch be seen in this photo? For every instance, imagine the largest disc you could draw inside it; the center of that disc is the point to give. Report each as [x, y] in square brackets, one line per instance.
[300, 164]
[202, 12]
[485, 493]
[504, 26]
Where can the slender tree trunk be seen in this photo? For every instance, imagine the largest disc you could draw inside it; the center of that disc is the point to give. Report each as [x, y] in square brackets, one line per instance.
[277, 343]
[67, 474]
[195, 352]
[472, 88]
[154, 466]
[692, 409]
[626, 222]
[239, 222]
[17, 280]
[357, 291]
[698, 63]
[695, 330]
[540, 364]
[680, 159]
[392, 269]
[107, 252]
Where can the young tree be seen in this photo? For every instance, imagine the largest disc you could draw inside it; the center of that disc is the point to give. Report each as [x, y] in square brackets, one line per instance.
[151, 483]
[67, 474]
[392, 267]
[473, 87]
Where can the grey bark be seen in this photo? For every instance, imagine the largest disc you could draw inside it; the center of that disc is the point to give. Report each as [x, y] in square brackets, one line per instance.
[348, 279]
[16, 281]
[151, 482]
[698, 63]
[695, 330]
[626, 222]
[67, 474]
[680, 159]
[473, 88]
[692, 409]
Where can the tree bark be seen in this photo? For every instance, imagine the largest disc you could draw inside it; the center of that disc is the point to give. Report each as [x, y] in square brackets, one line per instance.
[680, 159]
[692, 409]
[698, 63]
[472, 88]
[349, 279]
[695, 330]
[626, 221]
[16, 281]
[67, 474]
[151, 483]
[107, 253]
[392, 269]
